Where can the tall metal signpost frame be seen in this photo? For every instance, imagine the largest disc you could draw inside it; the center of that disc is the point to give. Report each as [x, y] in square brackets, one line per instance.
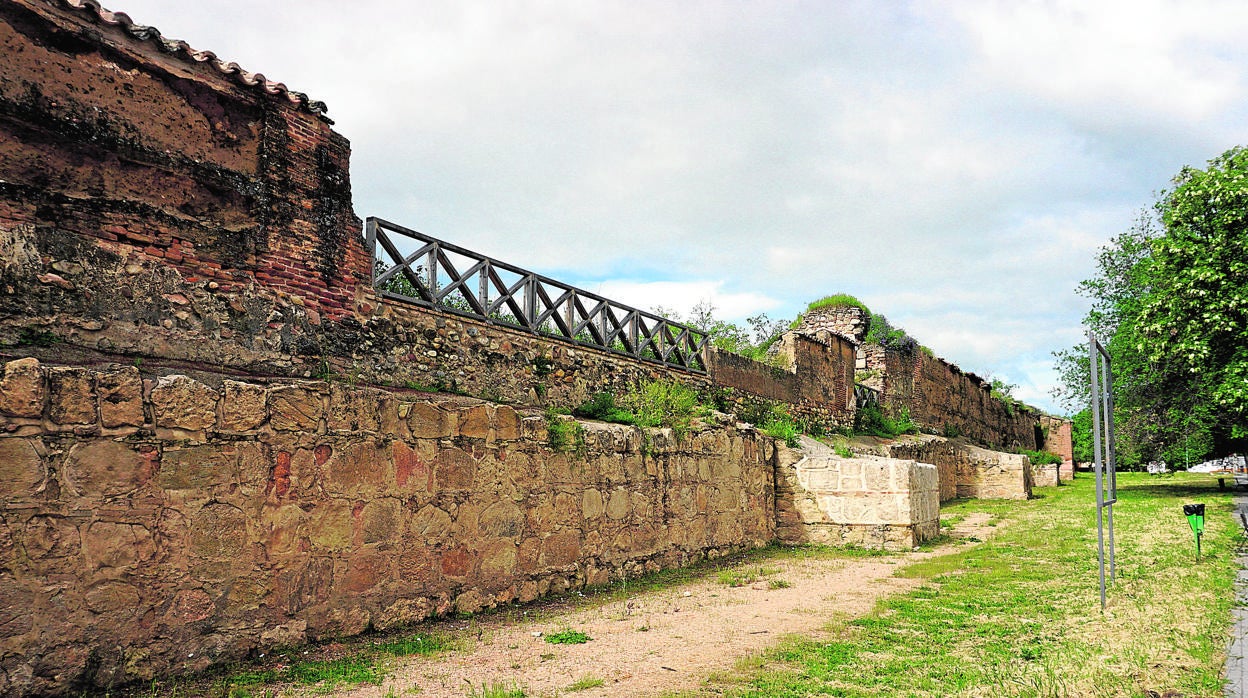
[1104, 452]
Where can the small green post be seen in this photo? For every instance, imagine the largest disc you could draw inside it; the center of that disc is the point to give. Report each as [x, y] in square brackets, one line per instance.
[1196, 519]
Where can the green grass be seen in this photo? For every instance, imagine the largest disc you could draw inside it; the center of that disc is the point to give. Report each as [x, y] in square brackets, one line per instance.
[568, 636]
[838, 300]
[1019, 615]
[585, 683]
[497, 690]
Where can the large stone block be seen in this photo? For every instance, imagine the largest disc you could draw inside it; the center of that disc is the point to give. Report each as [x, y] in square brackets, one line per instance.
[353, 408]
[121, 398]
[98, 469]
[21, 469]
[22, 389]
[243, 406]
[71, 396]
[197, 468]
[180, 402]
[295, 408]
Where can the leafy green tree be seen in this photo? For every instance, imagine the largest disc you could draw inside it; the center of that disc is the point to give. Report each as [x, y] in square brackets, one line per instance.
[1196, 319]
[1170, 301]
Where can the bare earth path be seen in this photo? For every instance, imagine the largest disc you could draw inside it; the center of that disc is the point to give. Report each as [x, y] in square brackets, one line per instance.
[660, 641]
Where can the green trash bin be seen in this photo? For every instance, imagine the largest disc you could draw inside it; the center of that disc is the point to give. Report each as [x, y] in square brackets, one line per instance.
[1196, 519]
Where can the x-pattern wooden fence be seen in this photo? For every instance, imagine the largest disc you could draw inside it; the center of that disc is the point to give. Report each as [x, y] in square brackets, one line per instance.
[501, 293]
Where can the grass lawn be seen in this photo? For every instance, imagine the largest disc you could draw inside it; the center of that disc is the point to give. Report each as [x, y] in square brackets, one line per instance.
[1019, 615]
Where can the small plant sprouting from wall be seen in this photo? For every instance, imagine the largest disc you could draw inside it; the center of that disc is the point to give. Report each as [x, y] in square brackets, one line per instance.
[1042, 457]
[871, 420]
[563, 434]
[780, 425]
[662, 403]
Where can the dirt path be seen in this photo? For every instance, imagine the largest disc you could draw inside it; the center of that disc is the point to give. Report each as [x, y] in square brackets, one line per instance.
[665, 640]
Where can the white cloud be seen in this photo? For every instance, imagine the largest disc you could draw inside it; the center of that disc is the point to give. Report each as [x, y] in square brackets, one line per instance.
[955, 164]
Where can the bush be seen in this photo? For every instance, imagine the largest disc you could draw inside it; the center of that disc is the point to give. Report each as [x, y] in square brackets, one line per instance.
[603, 408]
[780, 425]
[662, 403]
[1042, 457]
[839, 300]
[872, 420]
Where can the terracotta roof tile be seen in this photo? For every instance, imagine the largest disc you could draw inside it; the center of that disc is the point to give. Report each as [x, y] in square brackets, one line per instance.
[93, 11]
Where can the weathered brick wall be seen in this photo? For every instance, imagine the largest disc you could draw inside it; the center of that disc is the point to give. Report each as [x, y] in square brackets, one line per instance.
[873, 502]
[162, 523]
[160, 156]
[817, 386]
[939, 395]
[965, 470]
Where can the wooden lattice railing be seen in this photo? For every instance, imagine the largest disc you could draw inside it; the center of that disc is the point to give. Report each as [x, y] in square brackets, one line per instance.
[414, 268]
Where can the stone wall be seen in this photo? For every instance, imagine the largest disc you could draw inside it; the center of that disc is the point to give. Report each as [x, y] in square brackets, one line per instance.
[968, 471]
[867, 501]
[167, 155]
[938, 395]
[1059, 439]
[817, 384]
[162, 523]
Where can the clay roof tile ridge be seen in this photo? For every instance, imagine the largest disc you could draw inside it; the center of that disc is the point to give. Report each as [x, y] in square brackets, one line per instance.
[183, 50]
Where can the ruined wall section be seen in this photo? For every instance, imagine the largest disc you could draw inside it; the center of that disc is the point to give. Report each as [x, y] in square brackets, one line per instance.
[868, 501]
[817, 385]
[965, 470]
[115, 154]
[1059, 439]
[161, 524]
[941, 398]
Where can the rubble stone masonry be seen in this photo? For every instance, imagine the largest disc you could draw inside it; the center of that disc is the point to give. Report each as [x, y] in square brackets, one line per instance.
[160, 523]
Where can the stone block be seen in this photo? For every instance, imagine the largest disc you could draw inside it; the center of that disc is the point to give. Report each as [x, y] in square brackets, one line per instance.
[352, 408]
[561, 549]
[295, 408]
[474, 422]
[355, 469]
[430, 525]
[98, 469]
[426, 421]
[180, 402]
[121, 398]
[507, 424]
[218, 532]
[242, 407]
[22, 389]
[71, 396]
[21, 469]
[455, 469]
[380, 520]
[197, 468]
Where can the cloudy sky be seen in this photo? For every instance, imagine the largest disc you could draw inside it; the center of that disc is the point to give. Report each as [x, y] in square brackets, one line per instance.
[955, 165]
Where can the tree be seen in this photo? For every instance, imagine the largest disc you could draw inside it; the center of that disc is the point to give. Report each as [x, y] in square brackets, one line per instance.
[1170, 302]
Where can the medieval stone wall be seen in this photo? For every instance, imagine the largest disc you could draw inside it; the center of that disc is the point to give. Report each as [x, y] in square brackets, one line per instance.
[967, 471]
[817, 386]
[1058, 439]
[158, 523]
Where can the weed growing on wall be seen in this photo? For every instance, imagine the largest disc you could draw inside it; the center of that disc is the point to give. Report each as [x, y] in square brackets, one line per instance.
[563, 434]
[871, 420]
[779, 425]
[662, 403]
[603, 408]
[1041, 457]
[839, 300]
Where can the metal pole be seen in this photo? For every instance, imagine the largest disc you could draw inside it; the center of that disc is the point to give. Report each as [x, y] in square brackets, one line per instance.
[1097, 461]
[1111, 457]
